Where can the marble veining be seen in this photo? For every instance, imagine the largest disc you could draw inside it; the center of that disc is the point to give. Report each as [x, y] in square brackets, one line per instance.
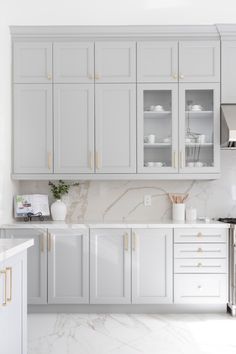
[131, 334]
[122, 201]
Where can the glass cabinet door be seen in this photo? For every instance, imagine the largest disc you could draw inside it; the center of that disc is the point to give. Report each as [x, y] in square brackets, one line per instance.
[199, 141]
[157, 128]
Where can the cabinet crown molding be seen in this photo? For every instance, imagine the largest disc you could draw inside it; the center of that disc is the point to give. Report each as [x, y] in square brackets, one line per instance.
[227, 31]
[160, 31]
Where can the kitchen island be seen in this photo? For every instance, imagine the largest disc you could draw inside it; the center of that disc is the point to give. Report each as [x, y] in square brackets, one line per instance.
[13, 295]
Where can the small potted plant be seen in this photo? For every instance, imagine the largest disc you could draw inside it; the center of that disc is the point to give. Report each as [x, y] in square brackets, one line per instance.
[58, 208]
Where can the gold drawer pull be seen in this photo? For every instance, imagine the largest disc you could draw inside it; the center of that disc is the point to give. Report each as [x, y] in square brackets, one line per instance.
[200, 249]
[49, 242]
[4, 272]
[9, 269]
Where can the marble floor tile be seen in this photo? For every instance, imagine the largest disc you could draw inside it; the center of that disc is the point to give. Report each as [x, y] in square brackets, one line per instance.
[131, 334]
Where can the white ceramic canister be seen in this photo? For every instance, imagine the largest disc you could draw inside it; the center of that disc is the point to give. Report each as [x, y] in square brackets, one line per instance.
[178, 211]
[58, 210]
[191, 214]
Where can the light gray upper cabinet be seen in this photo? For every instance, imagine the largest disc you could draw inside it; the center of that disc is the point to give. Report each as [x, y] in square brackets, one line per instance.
[73, 128]
[32, 137]
[115, 112]
[68, 266]
[37, 263]
[32, 62]
[228, 72]
[199, 61]
[110, 266]
[73, 62]
[115, 61]
[152, 266]
[157, 61]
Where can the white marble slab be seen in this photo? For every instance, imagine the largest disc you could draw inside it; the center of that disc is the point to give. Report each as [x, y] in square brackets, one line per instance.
[10, 247]
[115, 224]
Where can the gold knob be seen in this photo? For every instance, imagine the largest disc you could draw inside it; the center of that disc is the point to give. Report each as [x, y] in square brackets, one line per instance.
[181, 76]
[199, 249]
[49, 77]
[97, 76]
[199, 234]
[175, 76]
[199, 264]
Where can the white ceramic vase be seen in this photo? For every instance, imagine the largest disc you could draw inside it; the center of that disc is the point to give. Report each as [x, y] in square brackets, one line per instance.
[58, 210]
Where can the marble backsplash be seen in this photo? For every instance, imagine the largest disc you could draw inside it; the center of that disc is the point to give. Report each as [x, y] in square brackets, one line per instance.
[123, 200]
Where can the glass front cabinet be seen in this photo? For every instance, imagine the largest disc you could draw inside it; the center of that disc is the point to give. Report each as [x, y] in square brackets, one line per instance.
[178, 128]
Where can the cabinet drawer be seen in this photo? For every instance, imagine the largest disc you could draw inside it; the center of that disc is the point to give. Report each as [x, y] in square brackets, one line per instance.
[200, 250]
[200, 235]
[200, 288]
[200, 265]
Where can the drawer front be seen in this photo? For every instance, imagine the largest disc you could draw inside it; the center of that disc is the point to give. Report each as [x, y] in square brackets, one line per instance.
[200, 250]
[199, 265]
[200, 235]
[200, 288]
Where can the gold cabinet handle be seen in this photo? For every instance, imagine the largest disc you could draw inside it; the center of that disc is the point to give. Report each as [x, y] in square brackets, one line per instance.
[126, 241]
[175, 76]
[49, 242]
[97, 76]
[98, 161]
[9, 269]
[49, 160]
[49, 76]
[181, 76]
[91, 160]
[42, 237]
[4, 272]
[134, 241]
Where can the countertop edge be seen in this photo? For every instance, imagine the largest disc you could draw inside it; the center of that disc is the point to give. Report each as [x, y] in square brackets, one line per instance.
[14, 247]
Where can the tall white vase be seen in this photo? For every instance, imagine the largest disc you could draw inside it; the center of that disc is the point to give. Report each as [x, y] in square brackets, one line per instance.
[58, 210]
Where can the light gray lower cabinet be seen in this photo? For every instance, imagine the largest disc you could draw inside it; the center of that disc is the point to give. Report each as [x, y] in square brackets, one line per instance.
[152, 266]
[37, 263]
[68, 266]
[115, 112]
[32, 137]
[110, 266]
[73, 128]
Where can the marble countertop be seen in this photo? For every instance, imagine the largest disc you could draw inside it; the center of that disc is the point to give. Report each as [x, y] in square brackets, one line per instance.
[116, 224]
[10, 247]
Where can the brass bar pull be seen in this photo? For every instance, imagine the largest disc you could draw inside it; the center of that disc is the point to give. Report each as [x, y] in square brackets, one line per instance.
[4, 272]
[91, 160]
[9, 269]
[134, 241]
[49, 160]
[42, 242]
[49, 242]
[98, 162]
[126, 241]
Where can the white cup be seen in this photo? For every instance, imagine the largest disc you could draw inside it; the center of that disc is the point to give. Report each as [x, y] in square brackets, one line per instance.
[151, 138]
[178, 212]
[201, 138]
[158, 108]
[191, 214]
[196, 107]
[190, 164]
[150, 164]
[199, 164]
[159, 164]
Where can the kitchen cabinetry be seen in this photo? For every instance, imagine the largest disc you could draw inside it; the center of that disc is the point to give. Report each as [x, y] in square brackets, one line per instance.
[152, 266]
[110, 266]
[32, 62]
[13, 309]
[68, 266]
[157, 128]
[73, 128]
[37, 262]
[184, 61]
[199, 141]
[228, 72]
[200, 266]
[115, 128]
[73, 62]
[32, 135]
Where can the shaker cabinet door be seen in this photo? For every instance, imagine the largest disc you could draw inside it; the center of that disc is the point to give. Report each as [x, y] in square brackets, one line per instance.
[36, 263]
[68, 266]
[199, 61]
[115, 112]
[228, 72]
[157, 61]
[73, 128]
[73, 62]
[110, 266]
[115, 62]
[32, 137]
[32, 62]
[152, 273]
